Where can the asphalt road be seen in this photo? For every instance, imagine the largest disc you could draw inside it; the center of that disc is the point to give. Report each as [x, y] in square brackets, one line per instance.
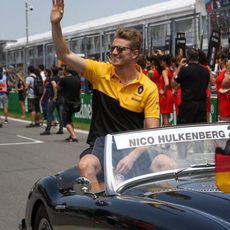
[25, 156]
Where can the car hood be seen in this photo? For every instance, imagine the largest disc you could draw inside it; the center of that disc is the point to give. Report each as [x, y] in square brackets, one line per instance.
[198, 195]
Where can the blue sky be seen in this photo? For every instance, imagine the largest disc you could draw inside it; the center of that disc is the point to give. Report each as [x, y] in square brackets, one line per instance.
[12, 17]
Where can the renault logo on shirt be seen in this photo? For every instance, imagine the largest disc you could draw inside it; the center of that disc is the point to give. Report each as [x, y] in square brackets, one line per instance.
[140, 89]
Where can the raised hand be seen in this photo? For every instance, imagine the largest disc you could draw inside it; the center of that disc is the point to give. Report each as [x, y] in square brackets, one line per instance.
[57, 11]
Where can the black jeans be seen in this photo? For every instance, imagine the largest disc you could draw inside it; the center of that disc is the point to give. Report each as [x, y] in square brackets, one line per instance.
[52, 105]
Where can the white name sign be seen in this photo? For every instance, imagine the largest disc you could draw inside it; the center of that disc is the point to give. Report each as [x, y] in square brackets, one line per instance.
[183, 134]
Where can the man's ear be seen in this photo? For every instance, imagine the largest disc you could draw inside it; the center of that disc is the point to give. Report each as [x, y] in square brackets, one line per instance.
[136, 54]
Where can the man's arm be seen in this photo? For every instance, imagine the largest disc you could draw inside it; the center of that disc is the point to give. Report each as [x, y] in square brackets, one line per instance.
[62, 50]
[151, 123]
[55, 90]
[166, 83]
[182, 64]
[43, 94]
[27, 85]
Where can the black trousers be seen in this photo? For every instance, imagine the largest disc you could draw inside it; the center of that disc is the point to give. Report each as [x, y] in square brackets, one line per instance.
[192, 112]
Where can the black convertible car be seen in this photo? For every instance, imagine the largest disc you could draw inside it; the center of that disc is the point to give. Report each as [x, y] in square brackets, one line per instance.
[173, 184]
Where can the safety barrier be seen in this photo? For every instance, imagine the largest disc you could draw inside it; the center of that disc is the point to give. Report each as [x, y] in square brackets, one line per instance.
[85, 114]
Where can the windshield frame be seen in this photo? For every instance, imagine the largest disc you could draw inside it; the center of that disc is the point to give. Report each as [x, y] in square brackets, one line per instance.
[108, 167]
[112, 189]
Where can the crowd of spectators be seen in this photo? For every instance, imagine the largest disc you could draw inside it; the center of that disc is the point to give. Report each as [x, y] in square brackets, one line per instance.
[163, 69]
[45, 107]
[160, 67]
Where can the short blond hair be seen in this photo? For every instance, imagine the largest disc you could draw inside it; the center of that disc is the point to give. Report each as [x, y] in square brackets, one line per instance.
[130, 34]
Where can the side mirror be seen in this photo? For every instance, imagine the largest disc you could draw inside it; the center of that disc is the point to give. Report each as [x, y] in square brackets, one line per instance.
[81, 186]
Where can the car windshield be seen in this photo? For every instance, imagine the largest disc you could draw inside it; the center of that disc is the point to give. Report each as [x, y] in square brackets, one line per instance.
[135, 155]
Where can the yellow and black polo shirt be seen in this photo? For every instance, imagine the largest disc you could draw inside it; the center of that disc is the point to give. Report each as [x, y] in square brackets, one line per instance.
[117, 107]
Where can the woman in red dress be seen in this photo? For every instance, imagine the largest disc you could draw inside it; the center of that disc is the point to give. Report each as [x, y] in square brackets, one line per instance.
[223, 95]
[154, 72]
[165, 89]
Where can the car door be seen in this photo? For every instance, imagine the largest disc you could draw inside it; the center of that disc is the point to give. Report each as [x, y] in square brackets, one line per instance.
[76, 211]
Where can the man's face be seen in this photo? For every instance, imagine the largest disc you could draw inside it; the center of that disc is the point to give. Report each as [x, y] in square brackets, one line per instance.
[121, 52]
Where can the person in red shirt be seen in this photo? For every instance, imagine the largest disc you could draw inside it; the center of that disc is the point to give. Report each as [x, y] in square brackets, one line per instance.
[226, 81]
[223, 95]
[154, 72]
[165, 89]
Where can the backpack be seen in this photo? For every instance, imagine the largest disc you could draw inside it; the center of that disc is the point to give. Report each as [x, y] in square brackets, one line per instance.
[38, 86]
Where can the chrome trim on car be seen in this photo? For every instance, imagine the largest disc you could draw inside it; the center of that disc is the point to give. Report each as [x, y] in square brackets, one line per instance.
[160, 176]
[110, 185]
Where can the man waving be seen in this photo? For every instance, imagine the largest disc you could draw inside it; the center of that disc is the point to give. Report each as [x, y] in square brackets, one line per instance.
[123, 97]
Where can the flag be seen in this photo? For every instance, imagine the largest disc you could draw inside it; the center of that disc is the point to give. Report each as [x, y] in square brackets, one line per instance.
[222, 171]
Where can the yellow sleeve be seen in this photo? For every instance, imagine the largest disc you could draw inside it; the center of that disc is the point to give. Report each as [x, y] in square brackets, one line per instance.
[152, 109]
[94, 71]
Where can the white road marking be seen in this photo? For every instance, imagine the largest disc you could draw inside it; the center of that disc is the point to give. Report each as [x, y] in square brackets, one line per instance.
[27, 122]
[34, 141]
